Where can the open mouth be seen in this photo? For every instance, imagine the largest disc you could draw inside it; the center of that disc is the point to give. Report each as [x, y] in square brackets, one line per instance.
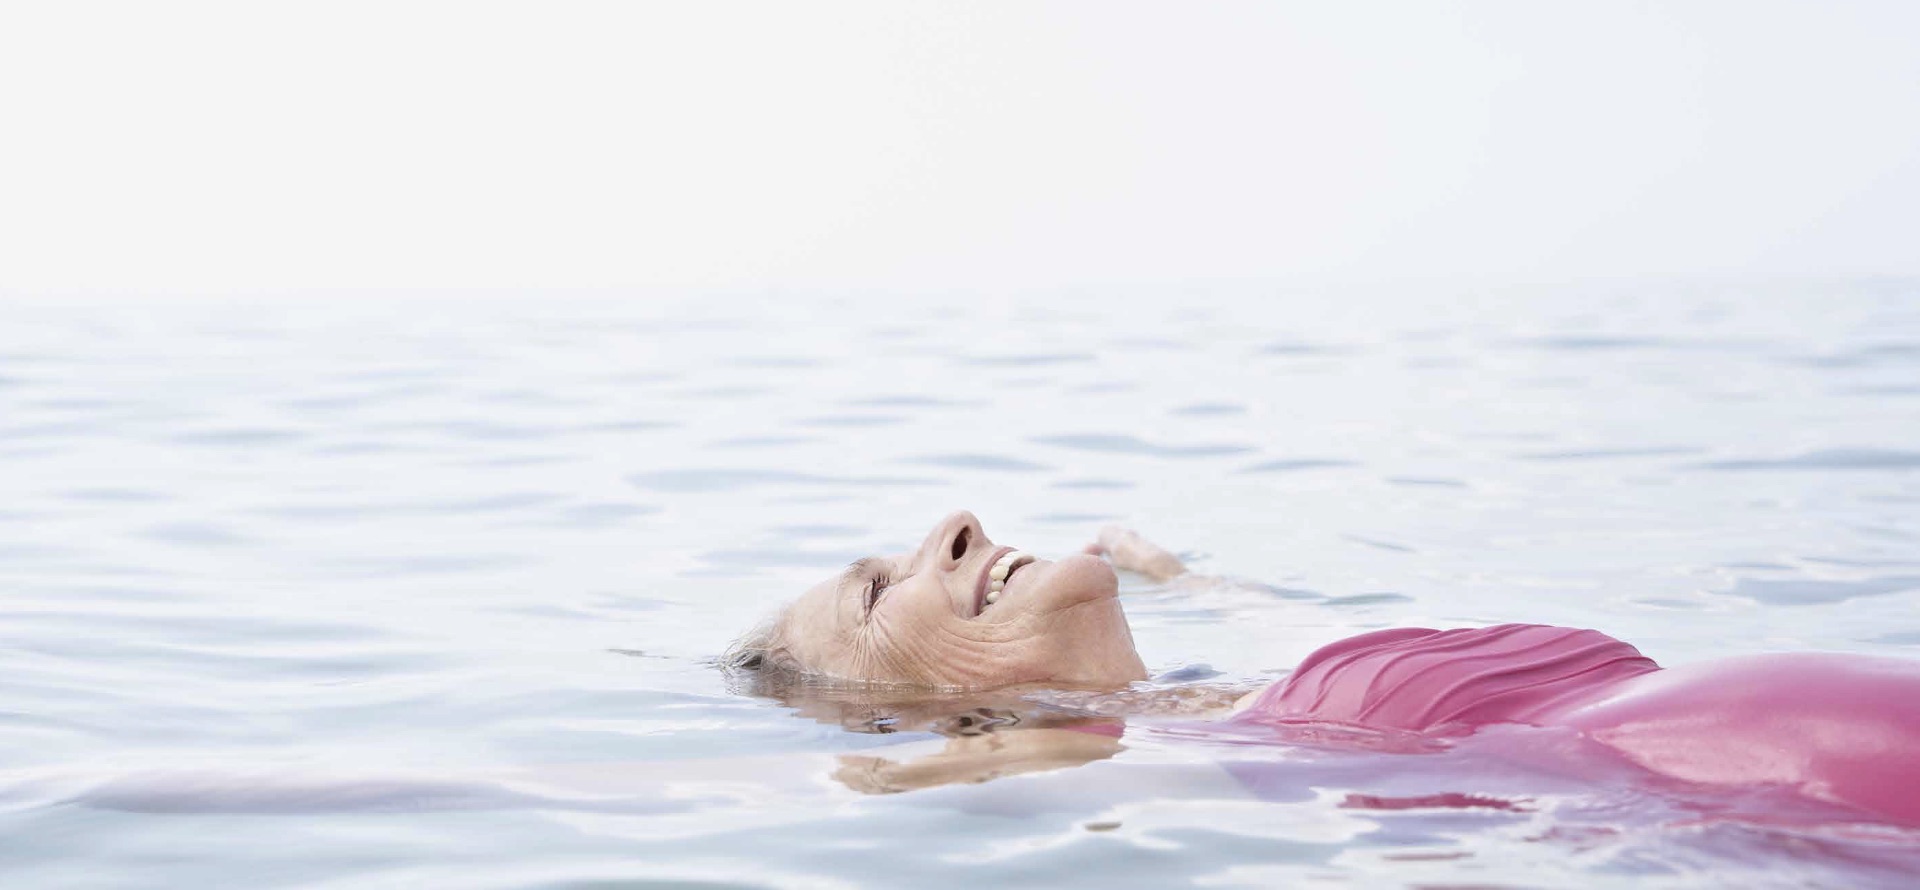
[993, 584]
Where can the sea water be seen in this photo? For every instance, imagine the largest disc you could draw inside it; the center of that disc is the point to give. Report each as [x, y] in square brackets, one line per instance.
[428, 592]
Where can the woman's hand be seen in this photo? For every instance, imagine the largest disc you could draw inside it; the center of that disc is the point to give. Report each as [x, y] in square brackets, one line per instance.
[1128, 550]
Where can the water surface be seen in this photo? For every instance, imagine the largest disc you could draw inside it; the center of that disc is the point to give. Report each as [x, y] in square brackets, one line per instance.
[428, 593]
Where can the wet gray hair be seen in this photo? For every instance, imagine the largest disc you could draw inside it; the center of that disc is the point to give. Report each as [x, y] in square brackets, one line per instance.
[762, 650]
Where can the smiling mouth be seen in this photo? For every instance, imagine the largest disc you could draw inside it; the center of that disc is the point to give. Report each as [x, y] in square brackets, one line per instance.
[994, 583]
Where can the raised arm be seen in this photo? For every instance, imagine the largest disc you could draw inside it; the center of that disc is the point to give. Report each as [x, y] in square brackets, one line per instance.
[1128, 550]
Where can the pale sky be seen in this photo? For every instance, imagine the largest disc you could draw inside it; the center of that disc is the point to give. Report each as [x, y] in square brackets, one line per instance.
[715, 146]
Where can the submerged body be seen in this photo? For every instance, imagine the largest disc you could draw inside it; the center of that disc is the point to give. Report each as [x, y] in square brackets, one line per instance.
[1842, 729]
[964, 612]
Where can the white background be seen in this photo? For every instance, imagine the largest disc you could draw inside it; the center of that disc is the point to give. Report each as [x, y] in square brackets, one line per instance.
[969, 148]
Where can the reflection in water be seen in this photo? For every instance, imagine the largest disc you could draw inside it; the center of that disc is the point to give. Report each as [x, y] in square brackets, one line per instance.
[981, 756]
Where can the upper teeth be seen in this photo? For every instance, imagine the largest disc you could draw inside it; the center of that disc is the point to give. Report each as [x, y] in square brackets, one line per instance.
[1002, 567]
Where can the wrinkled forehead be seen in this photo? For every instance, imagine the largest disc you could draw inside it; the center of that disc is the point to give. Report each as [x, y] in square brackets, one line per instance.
[813, 608]
[813, 621]
[815, 605]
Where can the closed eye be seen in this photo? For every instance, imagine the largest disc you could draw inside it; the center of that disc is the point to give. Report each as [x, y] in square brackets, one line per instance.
[876, 586]
[874, 577]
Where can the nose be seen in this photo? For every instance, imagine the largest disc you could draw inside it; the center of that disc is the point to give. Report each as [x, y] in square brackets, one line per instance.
[953, 540]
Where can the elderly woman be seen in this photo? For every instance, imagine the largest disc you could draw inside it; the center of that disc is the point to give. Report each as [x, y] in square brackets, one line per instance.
[963, 611]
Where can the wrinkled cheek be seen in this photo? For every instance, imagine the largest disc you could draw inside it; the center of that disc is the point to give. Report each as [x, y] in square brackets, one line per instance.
[958, 661]
[899, 654]
[963, 663]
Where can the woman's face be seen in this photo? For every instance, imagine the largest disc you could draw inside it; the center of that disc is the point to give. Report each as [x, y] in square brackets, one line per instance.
[934, 617]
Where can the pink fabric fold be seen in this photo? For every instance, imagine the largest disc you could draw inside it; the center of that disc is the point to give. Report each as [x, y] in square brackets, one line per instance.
[1450, 681]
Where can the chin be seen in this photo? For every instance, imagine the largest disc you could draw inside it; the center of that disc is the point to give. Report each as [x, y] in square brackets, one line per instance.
[1080, 579]
[1090, 642]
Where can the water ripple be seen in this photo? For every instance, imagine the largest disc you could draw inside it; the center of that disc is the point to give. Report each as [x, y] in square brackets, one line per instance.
[239, 438]
[1873, 355]
[780, 558]
[1425, 482]
[1368, 599]
[1598, 342]
[1072, 518]
[1607, 453]
[1123, 444]
[852, 421]
[1095, 484]
[1379, 544]
[1825, 459]
[994, 462]
[1292, 465]
[909, 401]
[710, 480]
[1811, 591]
[116, 495]
[383, 566]
[196, 534]
[603, 514]
[1301, 349]
[1025, 360]
[1209, 409]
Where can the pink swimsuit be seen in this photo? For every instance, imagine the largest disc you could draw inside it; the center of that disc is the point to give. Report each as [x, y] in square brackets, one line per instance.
[1451, 681]
[1843, 729]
